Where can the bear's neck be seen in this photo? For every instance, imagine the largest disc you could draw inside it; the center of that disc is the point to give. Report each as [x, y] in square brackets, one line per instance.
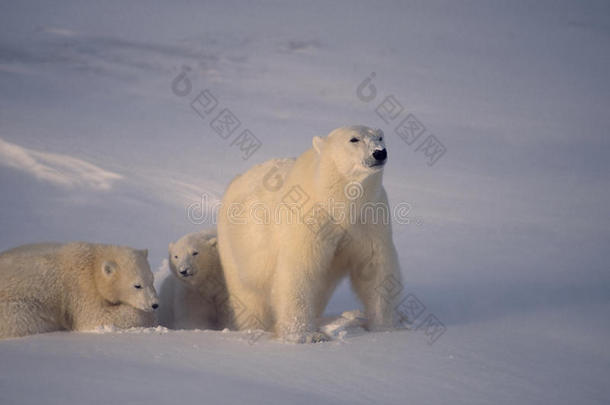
[82, 260]
[366, 188]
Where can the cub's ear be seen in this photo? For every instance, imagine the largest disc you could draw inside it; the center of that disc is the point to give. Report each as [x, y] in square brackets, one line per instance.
[108, 268]
[212, 242]
[317, 143]
[171, 245]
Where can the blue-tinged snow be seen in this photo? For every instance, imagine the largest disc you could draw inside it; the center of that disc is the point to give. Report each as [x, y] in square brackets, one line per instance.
[508, 240]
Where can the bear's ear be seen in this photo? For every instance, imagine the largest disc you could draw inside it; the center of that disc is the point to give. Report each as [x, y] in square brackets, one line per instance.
[317, 143]
[108, 268]
[212, 242]
[144, 253]
[171, 245]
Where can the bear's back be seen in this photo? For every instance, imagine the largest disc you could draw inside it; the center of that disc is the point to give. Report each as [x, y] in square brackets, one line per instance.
[29, 270]
[34, 268]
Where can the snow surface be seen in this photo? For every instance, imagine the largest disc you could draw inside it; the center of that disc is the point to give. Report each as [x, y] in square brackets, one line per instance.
[507, 243]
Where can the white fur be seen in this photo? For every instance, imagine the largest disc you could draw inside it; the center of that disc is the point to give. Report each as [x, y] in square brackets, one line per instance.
[282, 272]
[195, 298]
[76, 286]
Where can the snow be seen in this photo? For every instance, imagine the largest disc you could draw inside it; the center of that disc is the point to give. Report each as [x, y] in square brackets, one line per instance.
[507, 240]
[468, 366]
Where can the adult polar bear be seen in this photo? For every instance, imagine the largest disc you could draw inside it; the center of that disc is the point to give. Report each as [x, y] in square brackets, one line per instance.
[280, 272]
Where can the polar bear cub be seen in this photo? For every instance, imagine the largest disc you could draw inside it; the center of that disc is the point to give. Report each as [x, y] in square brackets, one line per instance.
[194, 295]
[74, 286]
[289, 230]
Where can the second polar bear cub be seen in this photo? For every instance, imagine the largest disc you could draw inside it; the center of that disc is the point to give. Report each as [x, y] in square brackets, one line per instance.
[194, 295]
[74, 286]
[285, 242]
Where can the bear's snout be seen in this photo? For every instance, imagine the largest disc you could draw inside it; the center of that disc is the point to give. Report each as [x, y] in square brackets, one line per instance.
[380, 154]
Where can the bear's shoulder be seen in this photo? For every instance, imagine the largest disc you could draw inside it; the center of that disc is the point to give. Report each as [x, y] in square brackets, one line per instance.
[272, 167]
[264, 177]
[78, 252]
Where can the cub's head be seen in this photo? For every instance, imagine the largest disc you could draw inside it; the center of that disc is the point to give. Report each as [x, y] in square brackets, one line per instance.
[355, 150]
[194, 256]
[124, 277]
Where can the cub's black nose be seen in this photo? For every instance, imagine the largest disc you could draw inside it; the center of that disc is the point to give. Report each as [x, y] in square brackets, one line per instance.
[155, 306]
[380, 154]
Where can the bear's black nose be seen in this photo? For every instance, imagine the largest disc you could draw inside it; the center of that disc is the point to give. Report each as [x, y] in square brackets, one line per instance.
[183, 272]
[380, 154]
[155, 306]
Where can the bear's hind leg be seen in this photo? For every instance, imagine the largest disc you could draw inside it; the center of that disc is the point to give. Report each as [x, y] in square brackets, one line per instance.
[22, 318]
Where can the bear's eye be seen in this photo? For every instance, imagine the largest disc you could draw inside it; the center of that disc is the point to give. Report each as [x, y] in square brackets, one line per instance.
[137, 286]
[354, 140]
[380, 138]
[175, 257]
[195, 253]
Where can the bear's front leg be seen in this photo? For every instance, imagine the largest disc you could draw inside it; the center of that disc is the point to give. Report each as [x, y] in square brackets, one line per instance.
[378, 284]
[295, 289]
[25, 317]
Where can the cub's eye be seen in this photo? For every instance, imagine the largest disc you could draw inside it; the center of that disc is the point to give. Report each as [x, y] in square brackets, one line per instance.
[175, 257]
[137, 286]
[354, 140]
[195, 253]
